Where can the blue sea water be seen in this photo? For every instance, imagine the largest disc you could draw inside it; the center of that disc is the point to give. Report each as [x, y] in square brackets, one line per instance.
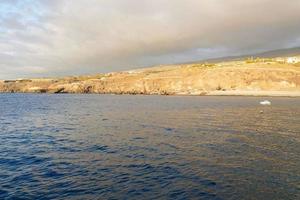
[148, 147]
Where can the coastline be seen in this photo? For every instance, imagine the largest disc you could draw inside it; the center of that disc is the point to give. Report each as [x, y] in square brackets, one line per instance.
[256, 93]
[233, 78]
[212, 93]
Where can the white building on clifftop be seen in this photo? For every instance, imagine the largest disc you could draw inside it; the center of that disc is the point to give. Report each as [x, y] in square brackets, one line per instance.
[293, 60]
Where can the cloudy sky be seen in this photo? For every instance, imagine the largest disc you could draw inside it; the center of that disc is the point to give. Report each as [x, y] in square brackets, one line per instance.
[69, 37]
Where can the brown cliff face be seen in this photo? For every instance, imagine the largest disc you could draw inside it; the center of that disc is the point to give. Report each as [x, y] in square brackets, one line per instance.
[232, 78]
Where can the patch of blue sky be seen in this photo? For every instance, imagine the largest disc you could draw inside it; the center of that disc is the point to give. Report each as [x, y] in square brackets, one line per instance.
[25, 11]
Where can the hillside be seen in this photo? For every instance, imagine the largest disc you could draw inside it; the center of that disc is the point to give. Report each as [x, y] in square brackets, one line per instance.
[289, 52]
[274, 77]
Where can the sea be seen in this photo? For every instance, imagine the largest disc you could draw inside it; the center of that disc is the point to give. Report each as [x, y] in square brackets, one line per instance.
[76, 146]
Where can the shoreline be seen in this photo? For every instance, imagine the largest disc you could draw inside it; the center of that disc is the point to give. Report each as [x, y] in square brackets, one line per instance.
[292, 94]
[256, 93]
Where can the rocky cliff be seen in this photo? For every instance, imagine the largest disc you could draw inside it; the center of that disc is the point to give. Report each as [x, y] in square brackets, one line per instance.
[255, 77]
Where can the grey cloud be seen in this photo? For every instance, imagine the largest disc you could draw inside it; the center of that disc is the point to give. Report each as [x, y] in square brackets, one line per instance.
[72, 37]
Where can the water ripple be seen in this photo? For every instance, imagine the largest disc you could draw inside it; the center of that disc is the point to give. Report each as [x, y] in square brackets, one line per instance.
[148, 147]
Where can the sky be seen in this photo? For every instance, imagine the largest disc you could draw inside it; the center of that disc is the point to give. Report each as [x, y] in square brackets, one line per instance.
[46, 38]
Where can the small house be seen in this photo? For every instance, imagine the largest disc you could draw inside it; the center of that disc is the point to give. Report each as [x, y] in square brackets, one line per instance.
[293, 60]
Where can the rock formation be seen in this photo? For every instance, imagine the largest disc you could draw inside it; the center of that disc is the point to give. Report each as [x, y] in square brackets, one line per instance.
[259, 77]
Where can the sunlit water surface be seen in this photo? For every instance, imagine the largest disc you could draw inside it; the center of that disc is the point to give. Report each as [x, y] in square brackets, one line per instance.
[148, 147]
